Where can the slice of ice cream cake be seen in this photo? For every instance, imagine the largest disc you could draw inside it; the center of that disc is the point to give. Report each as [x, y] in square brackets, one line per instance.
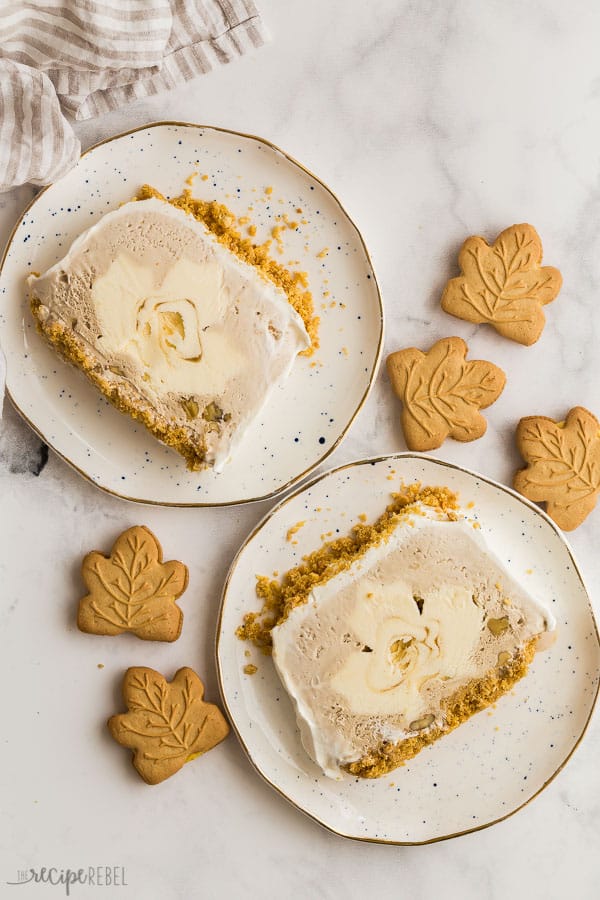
[171, 326]
[405, 641]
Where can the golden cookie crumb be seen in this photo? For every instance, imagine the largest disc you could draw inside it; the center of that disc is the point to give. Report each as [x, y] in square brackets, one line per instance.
[294, 530]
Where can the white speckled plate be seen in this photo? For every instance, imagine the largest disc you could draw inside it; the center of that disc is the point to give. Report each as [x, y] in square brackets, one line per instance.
[303, 421]
[493, 764]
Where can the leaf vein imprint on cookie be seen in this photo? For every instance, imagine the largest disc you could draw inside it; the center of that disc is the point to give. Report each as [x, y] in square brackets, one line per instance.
[504, 285]
[442, 393]
[563, 465]
[566, 458]
[132, 589]
[180, 731]
[167, 724]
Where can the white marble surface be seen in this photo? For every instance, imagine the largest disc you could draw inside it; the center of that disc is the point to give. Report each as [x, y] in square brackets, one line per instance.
[431, 121]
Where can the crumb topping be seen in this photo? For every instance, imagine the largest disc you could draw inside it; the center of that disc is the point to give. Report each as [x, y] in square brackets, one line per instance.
[279, 598]
[294, 530]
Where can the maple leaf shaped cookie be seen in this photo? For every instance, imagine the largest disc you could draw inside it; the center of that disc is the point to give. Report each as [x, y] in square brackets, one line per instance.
[442, 393]
[133, 589]
[563, 465]
[504, 285]
[168, 724]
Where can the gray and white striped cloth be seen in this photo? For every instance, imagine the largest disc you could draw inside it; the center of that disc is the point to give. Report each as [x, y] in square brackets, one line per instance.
[88, 57]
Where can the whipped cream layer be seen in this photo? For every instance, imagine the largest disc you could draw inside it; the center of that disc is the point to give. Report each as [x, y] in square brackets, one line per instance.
[200, 334]
[375, 650]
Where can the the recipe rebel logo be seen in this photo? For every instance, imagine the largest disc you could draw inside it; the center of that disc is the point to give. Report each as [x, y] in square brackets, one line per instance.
[92, 876]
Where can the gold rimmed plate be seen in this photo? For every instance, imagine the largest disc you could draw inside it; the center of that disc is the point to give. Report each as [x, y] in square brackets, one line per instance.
[304, 419]
[493, 764]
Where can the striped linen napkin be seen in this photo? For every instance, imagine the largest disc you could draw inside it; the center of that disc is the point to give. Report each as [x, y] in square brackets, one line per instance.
[87, 58]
